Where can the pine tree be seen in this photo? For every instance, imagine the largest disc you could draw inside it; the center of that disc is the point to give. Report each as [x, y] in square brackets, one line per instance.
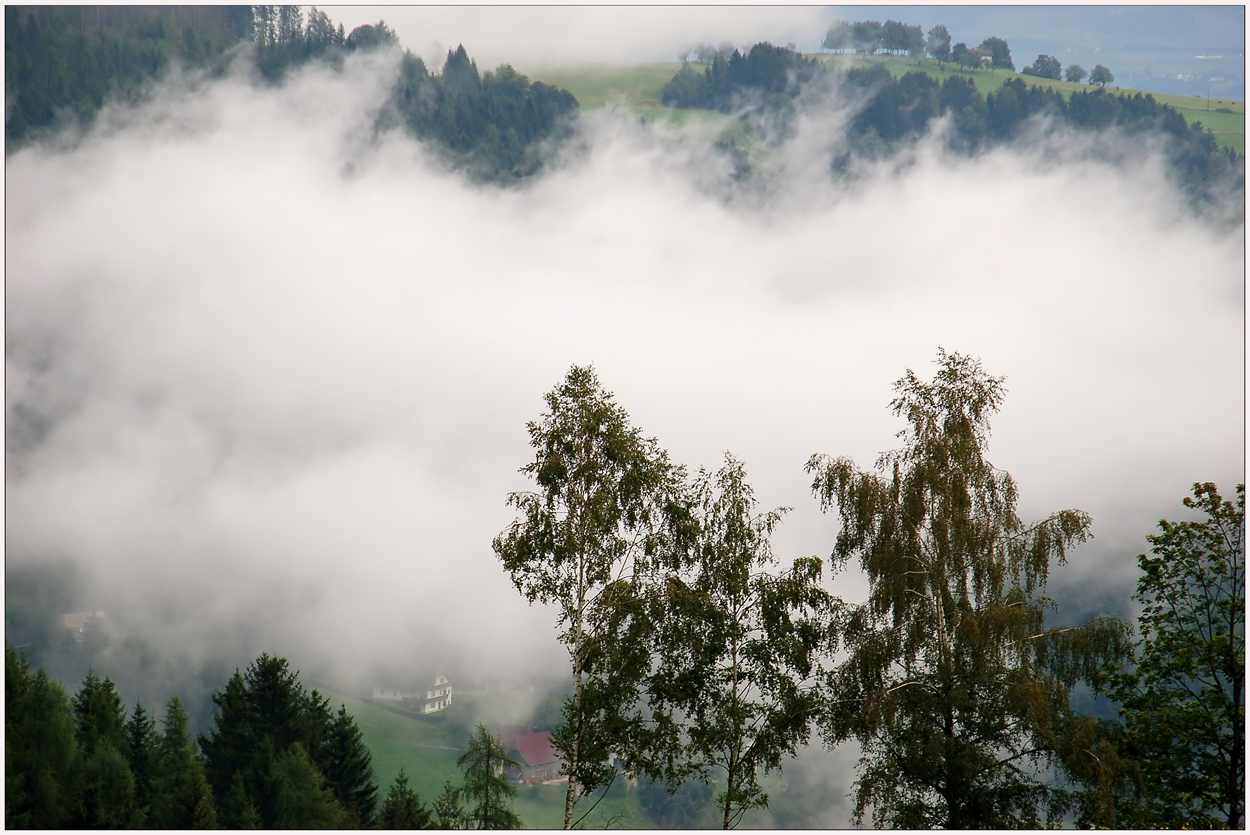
[402, 808]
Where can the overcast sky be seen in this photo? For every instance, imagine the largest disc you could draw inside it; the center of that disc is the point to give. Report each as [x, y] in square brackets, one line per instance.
[265, 369]
[1185, 49]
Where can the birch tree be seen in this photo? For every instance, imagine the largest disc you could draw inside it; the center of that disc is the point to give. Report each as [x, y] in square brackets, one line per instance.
[745, 645]
[954, 686]
[605, 514]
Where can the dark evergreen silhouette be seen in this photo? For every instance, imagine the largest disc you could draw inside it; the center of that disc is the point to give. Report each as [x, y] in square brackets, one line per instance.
[765, 70]
[402, 808]
[62, 62]
[262, 715]
[494, 126]
[40, 750]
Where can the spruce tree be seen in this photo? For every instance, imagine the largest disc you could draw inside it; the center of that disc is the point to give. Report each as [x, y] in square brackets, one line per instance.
[40, 749]
[447, 811]
[261, 714]
[301, 798]
[141, 752]
[237, 810]
[98, 709]
[107, 793]
[402, 808]
[349, 771]
[182, 798]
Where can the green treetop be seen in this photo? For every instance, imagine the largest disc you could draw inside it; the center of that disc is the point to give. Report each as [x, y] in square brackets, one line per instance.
[486, 790]
[953, 685]
[605, 515]
[1184, 703]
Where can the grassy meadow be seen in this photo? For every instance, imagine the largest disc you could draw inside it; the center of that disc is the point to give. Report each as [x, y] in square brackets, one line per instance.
[427, 748]
[638, 86]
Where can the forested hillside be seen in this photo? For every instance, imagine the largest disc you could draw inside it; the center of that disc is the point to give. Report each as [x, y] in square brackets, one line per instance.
[63, 63]
[893, 111]
[277, 756]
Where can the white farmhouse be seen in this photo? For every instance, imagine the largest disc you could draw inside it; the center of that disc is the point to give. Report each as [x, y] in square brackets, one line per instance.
[437, 695]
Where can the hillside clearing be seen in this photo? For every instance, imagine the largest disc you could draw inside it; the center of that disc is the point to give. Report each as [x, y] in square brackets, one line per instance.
[638, 87]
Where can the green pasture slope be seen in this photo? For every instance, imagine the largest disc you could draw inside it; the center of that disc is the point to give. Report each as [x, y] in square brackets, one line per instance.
[427, 748]
[638, 87]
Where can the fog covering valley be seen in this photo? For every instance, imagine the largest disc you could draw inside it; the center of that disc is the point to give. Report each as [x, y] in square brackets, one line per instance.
[268, 369]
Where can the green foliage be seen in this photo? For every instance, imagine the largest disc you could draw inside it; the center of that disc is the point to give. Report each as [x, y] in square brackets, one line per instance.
[487, 792]
[447, 811]
[1044, 66]
[765, 70]
[262, 714]
[1074, 73]
[1002, 53]
[237, 809]
[181, 797]
[840, 37]
[301, 800]
[866, 35]
[495, 126]
[402, 808]
[953, 685]
[141, 753]
[40, 750]
[606, 516]
[349, 772]
[938, 43]
[681, 808]
[961, 56]
[743, 644]
[1184, 703]
[106, 793]
[98, 710]
[899, 110]
[63, 62]
[1101, 76]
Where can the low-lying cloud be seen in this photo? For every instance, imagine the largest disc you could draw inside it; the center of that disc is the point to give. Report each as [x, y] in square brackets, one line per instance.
[268, 372]
[543, 36]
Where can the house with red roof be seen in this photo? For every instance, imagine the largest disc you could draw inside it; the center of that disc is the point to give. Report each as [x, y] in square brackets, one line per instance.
[539, 760]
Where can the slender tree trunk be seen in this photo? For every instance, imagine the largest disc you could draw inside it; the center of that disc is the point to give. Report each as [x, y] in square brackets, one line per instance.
[569, 798]
[734, 750]
[1237, 777]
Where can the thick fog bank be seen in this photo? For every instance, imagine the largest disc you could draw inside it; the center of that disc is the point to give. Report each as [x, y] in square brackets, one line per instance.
[267, 375]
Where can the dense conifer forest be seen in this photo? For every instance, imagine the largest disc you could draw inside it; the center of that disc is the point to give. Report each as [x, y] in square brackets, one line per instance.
[63, 63]
[769, 80]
